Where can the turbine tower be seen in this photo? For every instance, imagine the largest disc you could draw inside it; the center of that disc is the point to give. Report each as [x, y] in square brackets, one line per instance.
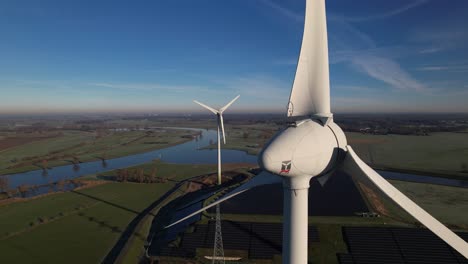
[312, 145]
[218, 250]
[219, 114]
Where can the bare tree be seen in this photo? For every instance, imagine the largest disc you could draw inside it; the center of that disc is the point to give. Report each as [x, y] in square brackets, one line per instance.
[141, 175]
[153, 174]
[60, 185]
[45, 173]
[44, 164]
[23, 190]
[75, 183]
[51, 187]
[118, 175]
[125, 175]
[104, 163]
[3, 183]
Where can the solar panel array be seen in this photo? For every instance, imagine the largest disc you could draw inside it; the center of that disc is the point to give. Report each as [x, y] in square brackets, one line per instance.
[397, 245]
[261, 240]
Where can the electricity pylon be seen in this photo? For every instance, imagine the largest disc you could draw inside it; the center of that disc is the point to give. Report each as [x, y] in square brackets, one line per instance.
[218, 251]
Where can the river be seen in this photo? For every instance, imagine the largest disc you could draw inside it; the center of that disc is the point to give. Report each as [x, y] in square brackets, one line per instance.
[189, 152]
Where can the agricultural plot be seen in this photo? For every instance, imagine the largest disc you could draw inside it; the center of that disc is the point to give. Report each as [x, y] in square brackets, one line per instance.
[248, 138]
[78, 146]
[82, 226]
[438, 153]
[442, 154]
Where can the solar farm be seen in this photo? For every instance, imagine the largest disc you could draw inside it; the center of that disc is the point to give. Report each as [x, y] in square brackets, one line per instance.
[258, 240]
[364, 240]
[263, 241]
[268, 199]
[397, 245]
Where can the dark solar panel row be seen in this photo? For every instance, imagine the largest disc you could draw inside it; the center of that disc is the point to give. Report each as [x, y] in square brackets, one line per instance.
[266, 240]
[177, 252]
[261, 240]
[397, 245]
[345, 259]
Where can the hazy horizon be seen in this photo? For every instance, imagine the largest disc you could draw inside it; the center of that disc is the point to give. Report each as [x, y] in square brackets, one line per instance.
[85, 57]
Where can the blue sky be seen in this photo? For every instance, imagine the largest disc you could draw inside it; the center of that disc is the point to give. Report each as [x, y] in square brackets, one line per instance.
[157, 56]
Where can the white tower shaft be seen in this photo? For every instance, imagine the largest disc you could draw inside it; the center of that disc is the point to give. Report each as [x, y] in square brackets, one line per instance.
[219, 151]
[296, 220]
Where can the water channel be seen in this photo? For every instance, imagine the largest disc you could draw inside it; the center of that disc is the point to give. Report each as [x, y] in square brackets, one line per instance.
[187, 153]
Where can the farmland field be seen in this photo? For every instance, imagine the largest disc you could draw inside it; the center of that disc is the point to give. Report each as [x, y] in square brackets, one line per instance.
[443, 154]
[438, 153]
[80, 146]
[85, 223]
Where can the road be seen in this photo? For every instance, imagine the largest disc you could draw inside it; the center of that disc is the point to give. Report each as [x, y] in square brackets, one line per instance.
[114, 253]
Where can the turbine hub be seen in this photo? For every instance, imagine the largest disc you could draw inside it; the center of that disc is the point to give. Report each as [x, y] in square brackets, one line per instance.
[306, 149]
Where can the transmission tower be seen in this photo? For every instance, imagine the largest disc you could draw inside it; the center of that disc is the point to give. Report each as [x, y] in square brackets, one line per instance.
[218, 252]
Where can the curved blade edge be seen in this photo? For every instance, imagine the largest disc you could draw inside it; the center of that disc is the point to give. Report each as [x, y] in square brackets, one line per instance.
[356, 167]
[261, 179]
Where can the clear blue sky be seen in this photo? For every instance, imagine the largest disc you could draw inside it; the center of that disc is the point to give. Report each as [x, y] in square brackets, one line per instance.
[86, 56]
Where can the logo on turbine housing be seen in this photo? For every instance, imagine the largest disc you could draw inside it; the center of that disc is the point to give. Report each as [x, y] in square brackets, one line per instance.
[285, 166]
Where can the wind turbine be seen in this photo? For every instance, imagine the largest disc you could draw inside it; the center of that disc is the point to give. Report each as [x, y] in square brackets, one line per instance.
[312, 145]
[219, 114]
[218, 250]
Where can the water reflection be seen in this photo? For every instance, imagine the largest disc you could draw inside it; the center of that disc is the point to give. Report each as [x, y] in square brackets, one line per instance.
[191, 152]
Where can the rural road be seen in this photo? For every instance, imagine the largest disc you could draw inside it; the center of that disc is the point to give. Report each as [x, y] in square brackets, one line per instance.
[113, 254]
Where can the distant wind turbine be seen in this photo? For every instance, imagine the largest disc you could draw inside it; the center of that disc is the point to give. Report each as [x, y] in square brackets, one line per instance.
[218, 250]
[219, 114]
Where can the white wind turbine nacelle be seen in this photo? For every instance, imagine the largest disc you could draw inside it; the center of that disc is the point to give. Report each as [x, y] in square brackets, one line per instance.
[314, 146]
[304, 149]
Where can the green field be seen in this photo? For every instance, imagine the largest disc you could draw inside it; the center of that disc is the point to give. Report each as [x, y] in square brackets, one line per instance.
[91, 223]
[248, 138]
[80, 226]
[439, 154]
[82, 146]
[447, 204]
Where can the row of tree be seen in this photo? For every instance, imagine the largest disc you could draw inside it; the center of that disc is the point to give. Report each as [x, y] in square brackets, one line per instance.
[138, 175]
[23, 189]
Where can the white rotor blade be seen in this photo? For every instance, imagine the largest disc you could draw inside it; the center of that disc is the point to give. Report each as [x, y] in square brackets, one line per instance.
[207, 107]
[310, 94]
[228, 104]
[356, 167]
[222, 126]
[263, 178]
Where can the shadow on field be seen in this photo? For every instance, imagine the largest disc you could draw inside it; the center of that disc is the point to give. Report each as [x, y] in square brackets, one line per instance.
[106, 202]
[114, 229]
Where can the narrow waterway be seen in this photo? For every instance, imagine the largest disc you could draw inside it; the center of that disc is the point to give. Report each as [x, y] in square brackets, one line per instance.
[187, 153]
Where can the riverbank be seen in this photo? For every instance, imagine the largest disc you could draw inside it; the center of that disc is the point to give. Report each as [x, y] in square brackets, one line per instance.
[79, 147]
